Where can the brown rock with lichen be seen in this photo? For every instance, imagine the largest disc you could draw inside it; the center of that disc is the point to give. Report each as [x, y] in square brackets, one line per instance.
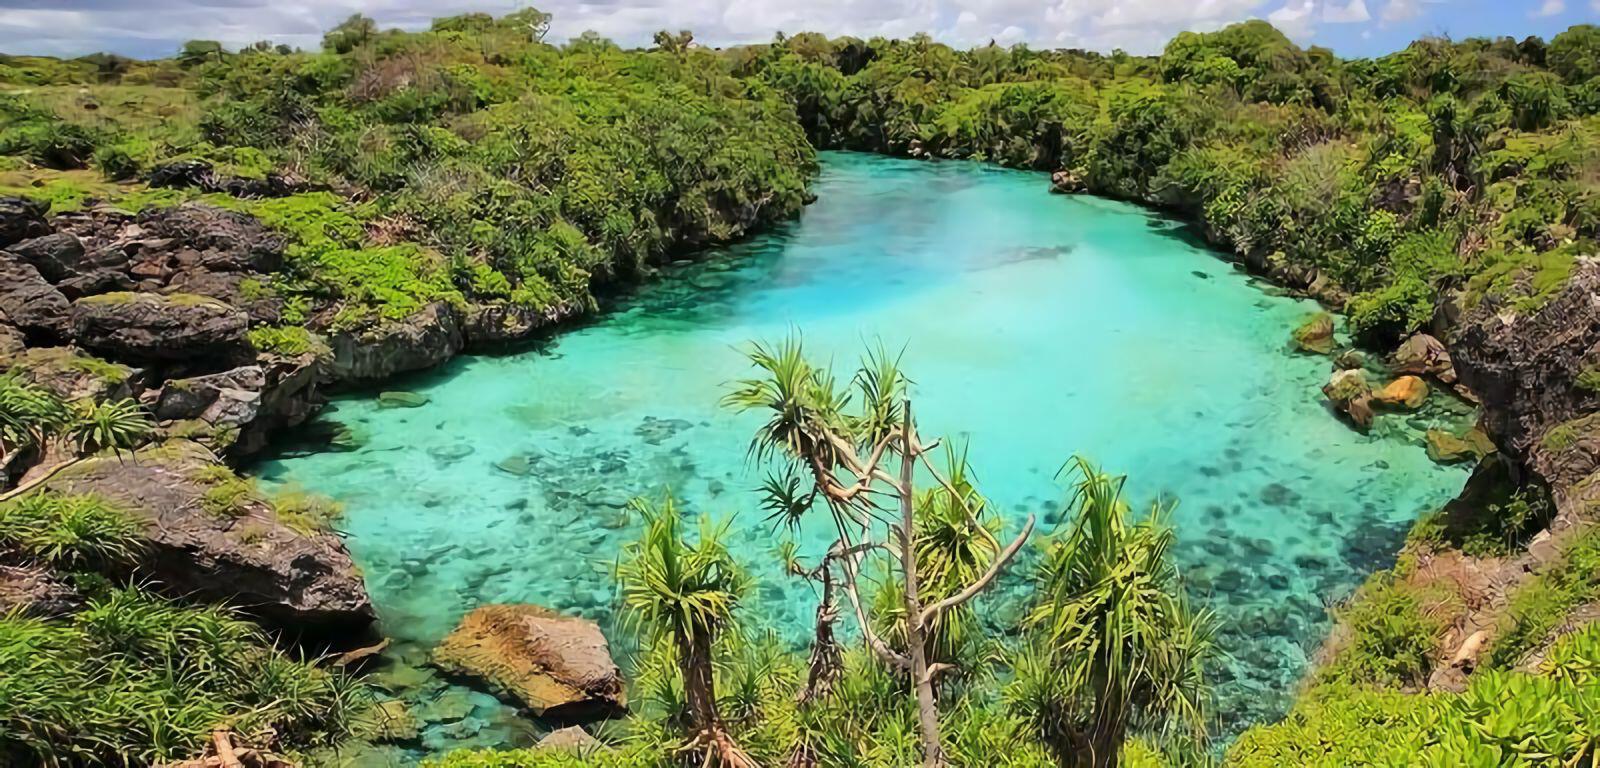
[557, 666]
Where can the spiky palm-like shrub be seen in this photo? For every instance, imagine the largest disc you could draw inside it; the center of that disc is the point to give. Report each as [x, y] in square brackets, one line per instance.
[134, 679]
[685, 593]
[1118, 646]
[113, 424]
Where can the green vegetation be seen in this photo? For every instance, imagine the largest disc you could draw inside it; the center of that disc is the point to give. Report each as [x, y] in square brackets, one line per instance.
[1447, 166]
[1363, 707]
[135, 679]
[1119, 644]
[68, 532]
[710, 688]
[497, 168]
[1543, 602]
[34, 419]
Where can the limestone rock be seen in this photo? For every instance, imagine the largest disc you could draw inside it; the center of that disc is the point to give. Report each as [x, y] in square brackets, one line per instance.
[571, 738]
[227, 400]
[488, 324]
[57, 255]
[1525, 368]
[35, 592]
[1066, 182]
[211, 238]
[263, 306]
[31, 303]
[1349, 392]
[73, 375]
[1423, 355]
[247, 558]
[1315, 335]
[151, 327]
[425, 339]
[557, 666]
[21, 219]
[1408, 392]
[12, 342]
[202, 175]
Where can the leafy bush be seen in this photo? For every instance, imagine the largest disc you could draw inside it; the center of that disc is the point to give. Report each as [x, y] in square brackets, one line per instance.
[1542, 602]
[1390, 636]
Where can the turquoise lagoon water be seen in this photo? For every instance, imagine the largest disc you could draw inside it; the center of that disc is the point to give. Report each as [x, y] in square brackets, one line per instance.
[1035, 326]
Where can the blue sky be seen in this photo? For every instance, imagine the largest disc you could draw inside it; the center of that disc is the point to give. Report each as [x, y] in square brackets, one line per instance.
[148, 28]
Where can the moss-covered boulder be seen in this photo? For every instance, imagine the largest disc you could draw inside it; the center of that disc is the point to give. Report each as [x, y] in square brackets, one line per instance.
[143, 326]
[1315, 335]
[425, 339]
[556, 666]
[210, 536]
[74, 375]
[1350, 394]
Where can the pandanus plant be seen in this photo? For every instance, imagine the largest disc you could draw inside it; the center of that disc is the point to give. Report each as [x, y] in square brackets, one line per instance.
[844, 441]
[685, 593]
[1116, 644]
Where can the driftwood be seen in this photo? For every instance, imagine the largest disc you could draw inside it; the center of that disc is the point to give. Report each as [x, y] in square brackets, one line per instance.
[225, 752]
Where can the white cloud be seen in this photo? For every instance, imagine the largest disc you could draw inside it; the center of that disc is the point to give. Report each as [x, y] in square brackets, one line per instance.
[1401, 10]
[1550, 8]
[158, 27]
[1298, 18]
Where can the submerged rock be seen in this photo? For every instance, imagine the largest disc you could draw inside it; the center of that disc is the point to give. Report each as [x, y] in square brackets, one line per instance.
[1315, 335]
[245, 557]
[1349, 392]
[398, 399]
[1408, 392]
[1446, 447]
[555, 665]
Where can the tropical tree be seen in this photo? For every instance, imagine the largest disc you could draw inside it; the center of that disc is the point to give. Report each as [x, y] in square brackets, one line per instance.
[842, 439]
[685, 592]
[1116, 644]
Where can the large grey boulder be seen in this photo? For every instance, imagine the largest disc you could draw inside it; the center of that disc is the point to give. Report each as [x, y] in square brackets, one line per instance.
[21, 219]
[427, 338]
[146, 326]
[242, 554]
[30, 302]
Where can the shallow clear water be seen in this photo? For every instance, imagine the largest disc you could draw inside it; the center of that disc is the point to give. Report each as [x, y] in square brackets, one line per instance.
[1035, 325]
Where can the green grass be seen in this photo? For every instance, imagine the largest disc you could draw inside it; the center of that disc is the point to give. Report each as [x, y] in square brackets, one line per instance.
[69, 532]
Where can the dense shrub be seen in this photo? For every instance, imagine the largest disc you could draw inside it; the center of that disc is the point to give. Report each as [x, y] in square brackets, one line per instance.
[135, 679]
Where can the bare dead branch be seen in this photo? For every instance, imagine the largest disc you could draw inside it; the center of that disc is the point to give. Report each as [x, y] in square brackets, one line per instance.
[932, 612]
